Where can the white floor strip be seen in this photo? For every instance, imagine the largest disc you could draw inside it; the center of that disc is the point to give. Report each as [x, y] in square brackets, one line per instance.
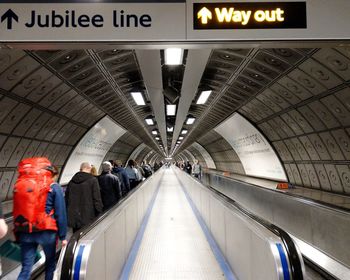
[174, 245]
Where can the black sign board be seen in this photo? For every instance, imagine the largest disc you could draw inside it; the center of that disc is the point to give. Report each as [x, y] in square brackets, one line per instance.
[249, 15]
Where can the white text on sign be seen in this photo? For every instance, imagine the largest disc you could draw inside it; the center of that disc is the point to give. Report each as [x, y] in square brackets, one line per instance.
[224, 15]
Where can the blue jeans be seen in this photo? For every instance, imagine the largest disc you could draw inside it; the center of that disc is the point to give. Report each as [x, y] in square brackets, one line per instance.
[29, 243]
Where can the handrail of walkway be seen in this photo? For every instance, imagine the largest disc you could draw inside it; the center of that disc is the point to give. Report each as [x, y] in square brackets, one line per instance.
[306, 200]
[295, 262]
[65, 265]
[85, 256]
[276, 207]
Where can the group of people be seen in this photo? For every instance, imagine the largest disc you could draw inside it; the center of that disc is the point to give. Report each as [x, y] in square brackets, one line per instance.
[194, 169]
[102, 191]
[86, 196]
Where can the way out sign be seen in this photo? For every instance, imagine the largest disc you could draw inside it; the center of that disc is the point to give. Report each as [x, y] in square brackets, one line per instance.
[249, 15]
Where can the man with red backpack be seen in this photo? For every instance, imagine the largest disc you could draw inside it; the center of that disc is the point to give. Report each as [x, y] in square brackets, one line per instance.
[39, 214]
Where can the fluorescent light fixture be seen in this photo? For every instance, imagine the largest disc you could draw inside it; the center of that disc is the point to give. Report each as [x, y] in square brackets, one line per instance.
[204, 96]
[190, 120]
[138, 98]
[173, 56]
[170, 110]
[149, 121]
[154, 132]
[170, 129]
[184, 131]
[181, 137]
[157, 138]
[168, 158]
[178, 142]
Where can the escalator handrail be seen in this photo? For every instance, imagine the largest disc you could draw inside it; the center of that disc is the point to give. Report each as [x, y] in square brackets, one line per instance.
[285, 236]
[68, 258]
[296, 266]
[304, 199]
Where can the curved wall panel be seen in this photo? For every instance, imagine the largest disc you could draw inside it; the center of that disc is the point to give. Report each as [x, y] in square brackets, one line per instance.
[220, 150]
[93, 147]
[198, 156]
[206, 156]
[257, 156]
[136, 153]
[189, 156]
[122, 149]
[148, 156]
[142, 155]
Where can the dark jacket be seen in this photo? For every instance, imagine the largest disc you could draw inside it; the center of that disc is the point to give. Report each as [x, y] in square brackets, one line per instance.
[83, 200]
[188, 168]
[110, 189]
[124, 179]
[55, 201]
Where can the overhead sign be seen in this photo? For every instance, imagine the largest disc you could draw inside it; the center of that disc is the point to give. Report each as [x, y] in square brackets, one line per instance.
[92, 21]
[93, 147]
[249, 15]
[254, 151]
[179, 21]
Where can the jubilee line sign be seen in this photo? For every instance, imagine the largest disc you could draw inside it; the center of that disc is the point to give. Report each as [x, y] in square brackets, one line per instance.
[92, 22]
[113, 21]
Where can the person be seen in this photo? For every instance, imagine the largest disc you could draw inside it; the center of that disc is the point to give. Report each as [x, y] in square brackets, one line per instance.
[155, 166]
[146, 169]
[197, 170]
[3, 229]
[83, 198]
[132, 174]
[140, 173]
[47, 238]
[94, 171]
[182, 165]
[3, 225]
[188, 168]
[109, 186]
[122, 175]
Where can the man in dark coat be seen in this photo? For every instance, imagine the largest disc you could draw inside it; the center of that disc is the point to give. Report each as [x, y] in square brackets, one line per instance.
[109, 186]
[83, 198]
[119, 171]
[188, 167]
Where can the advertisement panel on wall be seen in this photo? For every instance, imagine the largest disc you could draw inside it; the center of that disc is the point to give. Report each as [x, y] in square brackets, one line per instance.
[206, 156]
[93, 147]
[256, 154]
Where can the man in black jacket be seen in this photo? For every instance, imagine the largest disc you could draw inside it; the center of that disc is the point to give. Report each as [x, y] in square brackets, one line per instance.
[83, 198]
[109, 185]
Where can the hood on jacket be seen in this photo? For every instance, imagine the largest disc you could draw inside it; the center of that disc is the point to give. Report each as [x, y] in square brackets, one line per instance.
[81, 177]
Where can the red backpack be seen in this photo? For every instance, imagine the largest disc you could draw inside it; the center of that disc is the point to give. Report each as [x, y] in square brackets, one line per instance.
[30, 194]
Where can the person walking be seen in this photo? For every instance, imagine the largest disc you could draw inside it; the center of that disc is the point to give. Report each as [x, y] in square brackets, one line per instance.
[122, 175]
[132, 173]
[197, 170]
[109, 186]
[3, 230]
[188, 168]
[83, 198]
[39, 215]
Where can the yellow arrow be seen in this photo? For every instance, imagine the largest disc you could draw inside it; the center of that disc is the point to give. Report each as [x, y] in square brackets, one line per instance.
[204, 14]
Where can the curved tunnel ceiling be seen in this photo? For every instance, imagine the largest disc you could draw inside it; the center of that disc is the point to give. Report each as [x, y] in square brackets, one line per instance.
[298, 98]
